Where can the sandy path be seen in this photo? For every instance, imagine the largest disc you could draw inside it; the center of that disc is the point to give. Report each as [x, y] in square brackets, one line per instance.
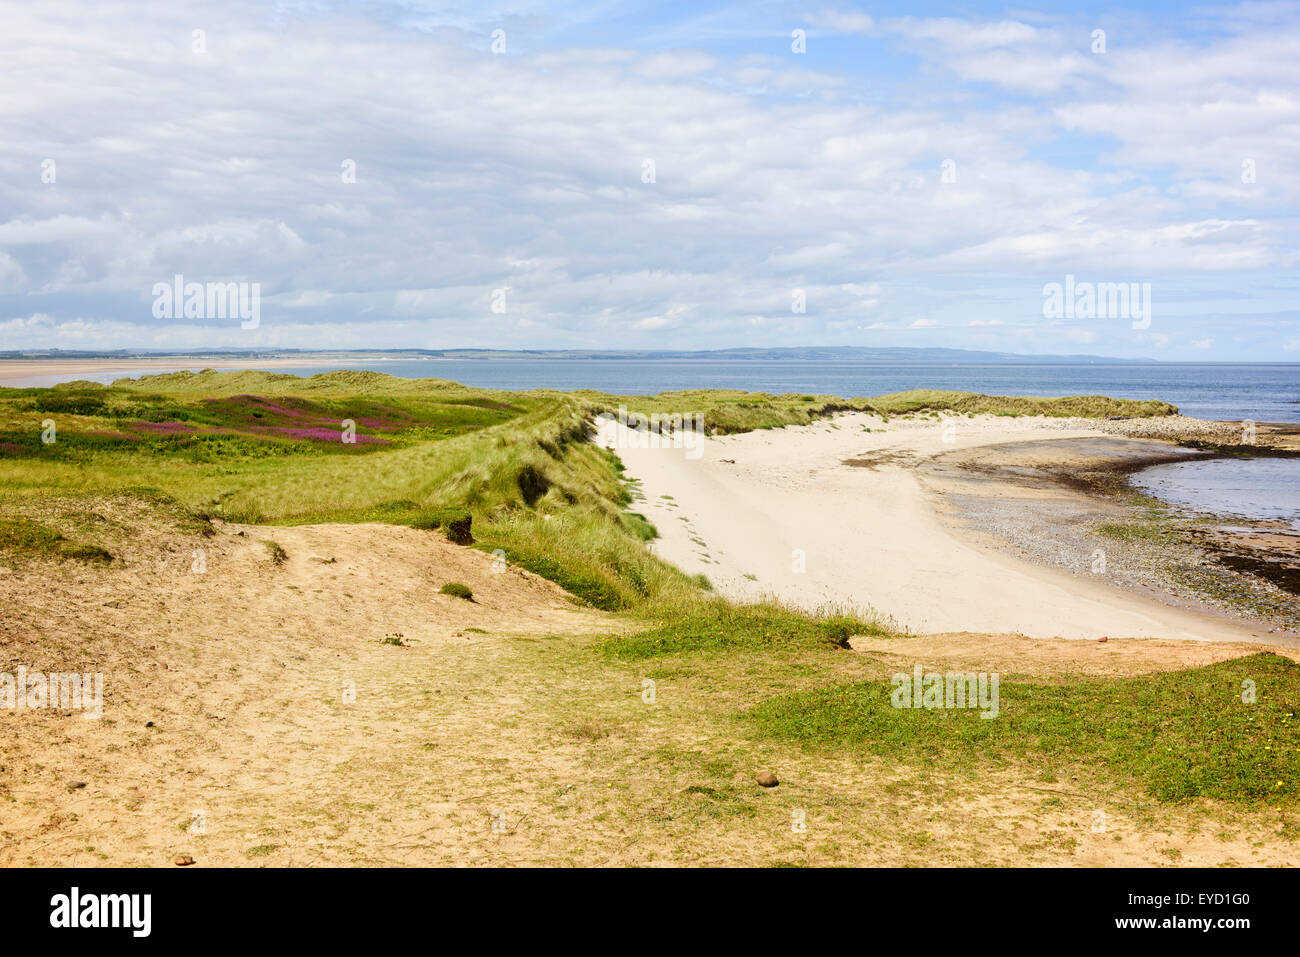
[869, 536]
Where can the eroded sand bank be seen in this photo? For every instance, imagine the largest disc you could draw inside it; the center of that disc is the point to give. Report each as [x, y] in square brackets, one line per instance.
[782, 513]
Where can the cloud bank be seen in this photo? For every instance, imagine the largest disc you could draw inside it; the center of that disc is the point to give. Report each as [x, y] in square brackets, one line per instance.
[421, 175]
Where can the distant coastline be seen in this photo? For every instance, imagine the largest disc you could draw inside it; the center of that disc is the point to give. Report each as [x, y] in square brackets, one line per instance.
[788, 354]
[1230, 391]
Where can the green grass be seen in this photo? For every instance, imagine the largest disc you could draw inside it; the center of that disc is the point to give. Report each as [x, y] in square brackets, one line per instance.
[582, 576]
[1179, 735]
[727, 411]
[430, 518]
[278, 555]
[23, 538]
[457, 590]
[714, 626]
[86, 553]
[1088, 406]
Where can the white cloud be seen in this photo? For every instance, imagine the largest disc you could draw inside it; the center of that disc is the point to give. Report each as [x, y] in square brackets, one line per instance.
[674, 64]
[12, 277]
[671, 319]
[841, 21]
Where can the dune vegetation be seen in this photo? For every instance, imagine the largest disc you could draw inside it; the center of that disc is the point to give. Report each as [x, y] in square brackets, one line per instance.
[1180, 735]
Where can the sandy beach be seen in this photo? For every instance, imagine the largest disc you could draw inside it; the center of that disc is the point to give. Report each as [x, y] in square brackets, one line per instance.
[838, 514]
[47, 372]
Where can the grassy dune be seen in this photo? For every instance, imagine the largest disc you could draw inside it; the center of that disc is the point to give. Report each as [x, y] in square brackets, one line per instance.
[729, 411]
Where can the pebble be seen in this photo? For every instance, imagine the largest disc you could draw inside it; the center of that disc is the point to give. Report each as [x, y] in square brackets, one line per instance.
[182, 860]
[767, 779]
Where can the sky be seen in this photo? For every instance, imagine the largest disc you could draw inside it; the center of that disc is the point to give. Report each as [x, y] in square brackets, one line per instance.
[624, 175]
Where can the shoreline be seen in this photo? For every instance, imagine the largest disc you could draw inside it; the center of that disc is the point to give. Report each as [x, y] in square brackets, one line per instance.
[25, 370]
[863, 504]
[1072, 506]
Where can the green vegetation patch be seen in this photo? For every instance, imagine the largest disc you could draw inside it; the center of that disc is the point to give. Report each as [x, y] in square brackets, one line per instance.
[591, 584]
[25, 538]
[1180, 735]
[1085, 406]
[713, 626]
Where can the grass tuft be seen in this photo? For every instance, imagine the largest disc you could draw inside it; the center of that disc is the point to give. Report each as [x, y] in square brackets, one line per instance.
[713, 626]
[27, 539]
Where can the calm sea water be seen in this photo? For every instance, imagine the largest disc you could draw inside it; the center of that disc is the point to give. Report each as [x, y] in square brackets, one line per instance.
[1260, 488]
[1230, 391]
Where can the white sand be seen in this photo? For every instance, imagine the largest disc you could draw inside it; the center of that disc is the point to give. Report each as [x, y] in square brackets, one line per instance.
[872, 538]
[48, 372]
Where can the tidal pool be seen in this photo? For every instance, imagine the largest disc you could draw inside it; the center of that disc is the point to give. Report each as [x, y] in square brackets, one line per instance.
[1256, 488]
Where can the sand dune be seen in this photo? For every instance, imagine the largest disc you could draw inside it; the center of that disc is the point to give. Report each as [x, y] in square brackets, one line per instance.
[870, 536]
[226, 695]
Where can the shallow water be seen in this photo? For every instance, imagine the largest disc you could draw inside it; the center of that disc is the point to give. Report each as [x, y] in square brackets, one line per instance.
[1256, 488]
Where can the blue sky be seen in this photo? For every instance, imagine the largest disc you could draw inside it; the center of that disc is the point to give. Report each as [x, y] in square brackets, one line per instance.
[502, 196]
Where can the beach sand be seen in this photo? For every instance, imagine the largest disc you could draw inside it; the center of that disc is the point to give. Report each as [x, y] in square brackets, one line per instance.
[47, 372]
[783, 513]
